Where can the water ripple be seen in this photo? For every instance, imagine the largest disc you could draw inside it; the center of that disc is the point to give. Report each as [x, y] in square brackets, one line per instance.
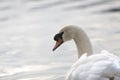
[88, 5]
[112, 10]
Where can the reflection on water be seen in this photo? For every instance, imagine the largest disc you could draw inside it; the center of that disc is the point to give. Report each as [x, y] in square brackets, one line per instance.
[27, 28]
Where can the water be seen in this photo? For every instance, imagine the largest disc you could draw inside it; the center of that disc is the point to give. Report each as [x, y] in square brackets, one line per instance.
[27, 28]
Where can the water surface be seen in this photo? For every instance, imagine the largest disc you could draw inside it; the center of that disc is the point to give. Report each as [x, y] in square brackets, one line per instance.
[27, 28]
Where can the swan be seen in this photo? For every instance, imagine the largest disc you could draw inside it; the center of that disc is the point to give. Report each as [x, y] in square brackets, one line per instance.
[89, 66]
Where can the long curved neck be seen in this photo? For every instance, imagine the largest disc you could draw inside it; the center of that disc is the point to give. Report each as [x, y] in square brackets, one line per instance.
[83, 43]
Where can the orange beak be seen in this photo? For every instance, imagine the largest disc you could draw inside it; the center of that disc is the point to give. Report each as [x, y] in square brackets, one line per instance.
[58, 43]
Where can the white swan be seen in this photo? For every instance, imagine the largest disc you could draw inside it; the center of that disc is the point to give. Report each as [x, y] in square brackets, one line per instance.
[103, 66]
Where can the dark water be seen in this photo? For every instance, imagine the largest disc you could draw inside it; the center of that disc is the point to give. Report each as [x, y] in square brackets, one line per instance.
[27, 28]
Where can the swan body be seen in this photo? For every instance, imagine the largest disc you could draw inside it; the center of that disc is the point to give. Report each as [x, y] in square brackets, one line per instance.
[89, 66]
[96, 67]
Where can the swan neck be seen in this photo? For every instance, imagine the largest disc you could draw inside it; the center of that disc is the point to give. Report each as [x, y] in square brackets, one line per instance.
[83, 43]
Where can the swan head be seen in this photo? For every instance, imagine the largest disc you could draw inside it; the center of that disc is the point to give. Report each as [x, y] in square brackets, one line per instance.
[65, 34]
[78, 35]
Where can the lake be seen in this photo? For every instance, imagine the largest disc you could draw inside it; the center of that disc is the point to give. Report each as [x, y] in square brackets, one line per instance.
[27, 28]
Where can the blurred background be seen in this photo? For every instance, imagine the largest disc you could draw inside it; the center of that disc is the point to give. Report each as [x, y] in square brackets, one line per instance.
[27, 28]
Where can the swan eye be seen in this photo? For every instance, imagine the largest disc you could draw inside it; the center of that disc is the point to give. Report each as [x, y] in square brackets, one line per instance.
[57, 36]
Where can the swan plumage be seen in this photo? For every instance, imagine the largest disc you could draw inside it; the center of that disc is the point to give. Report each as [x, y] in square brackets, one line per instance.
[89, 66]
[96, 67]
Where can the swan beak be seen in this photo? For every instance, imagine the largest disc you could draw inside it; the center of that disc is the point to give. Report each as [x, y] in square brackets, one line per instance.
[58, 43]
